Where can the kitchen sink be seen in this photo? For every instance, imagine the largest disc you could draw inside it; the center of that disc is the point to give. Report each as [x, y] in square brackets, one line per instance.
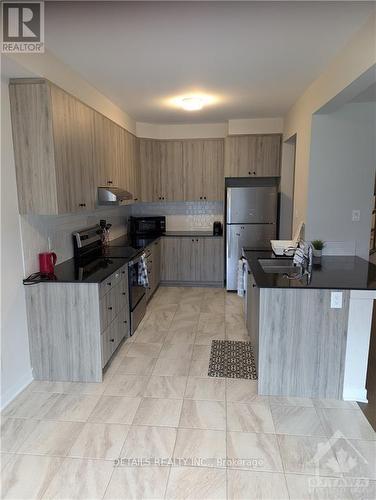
[279, 266]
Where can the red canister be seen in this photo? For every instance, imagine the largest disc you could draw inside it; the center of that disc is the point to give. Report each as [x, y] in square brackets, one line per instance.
[47, 261]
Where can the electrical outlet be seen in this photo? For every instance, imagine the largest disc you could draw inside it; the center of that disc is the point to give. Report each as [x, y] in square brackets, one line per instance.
[336, 300]
[356, 215]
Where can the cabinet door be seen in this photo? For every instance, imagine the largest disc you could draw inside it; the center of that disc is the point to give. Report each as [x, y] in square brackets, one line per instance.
[150, 160]
[187, 261]
[130, 173]
[268, 160]
[134, 171]
[212, 170]
[193, 155]
[72, 129]
[171, 171]
[240, 155]
[33, 142]
[210, 259]
[252, 321]
[106, 146]
[170, 259]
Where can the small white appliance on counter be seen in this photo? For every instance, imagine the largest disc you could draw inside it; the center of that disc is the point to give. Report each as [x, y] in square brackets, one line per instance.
[287, 247]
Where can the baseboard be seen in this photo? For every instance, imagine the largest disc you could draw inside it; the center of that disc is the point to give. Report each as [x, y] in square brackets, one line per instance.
[15, 390]
[355, 394]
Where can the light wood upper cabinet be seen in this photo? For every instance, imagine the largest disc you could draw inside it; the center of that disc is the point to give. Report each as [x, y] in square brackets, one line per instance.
[64, 150]
[150, 161]
[203, 169]
[253, 155]
[212, 170]
[268, 156]
[52, 138]
[73, 140]
[171, 171]
[129, 175]
[108, 156]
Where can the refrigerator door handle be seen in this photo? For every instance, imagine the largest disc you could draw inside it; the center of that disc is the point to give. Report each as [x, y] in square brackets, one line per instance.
[229, 244]
[229, 205]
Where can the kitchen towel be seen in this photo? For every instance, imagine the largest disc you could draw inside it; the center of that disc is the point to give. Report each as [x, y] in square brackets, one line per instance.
[241, 276]
[143, 279]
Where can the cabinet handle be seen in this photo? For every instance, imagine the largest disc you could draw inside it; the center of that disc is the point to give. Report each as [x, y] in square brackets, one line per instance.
[110, 308]
[82, 205]
[135, 199]
[125, 321]
[109, 182]
[254, 173]
[200, 197]
[124, 293]
[109, 284]
[249, 272]
[112, 340]
[249, 173]
[204, 197]
[253, 286]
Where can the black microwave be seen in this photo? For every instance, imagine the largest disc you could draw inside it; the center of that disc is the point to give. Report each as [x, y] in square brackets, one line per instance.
[147, 226]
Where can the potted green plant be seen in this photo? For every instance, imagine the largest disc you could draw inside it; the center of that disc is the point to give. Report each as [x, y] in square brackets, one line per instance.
[317, 245]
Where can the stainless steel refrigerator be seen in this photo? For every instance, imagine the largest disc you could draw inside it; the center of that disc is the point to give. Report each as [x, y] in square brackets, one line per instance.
[251, 221]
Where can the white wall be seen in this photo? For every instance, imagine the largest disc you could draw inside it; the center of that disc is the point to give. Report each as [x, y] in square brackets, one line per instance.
[341, 177]
[15, 360]
[356, 58]
[210, 130]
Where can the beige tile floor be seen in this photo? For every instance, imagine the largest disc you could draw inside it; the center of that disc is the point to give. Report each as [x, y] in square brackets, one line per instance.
[60, 440]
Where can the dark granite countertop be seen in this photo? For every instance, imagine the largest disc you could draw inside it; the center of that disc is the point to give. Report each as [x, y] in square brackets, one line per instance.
[119, 252]
[335, 272]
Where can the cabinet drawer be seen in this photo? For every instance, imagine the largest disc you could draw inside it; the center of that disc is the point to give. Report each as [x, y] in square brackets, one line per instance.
[112, 280]
[123, 325]
[108, 339]
[110, 305]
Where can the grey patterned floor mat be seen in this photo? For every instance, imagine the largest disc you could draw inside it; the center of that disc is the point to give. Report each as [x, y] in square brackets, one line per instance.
[232, 359]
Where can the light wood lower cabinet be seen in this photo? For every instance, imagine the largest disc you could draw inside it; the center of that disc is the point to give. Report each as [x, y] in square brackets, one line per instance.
[189, 260]
[74, 328]
[252, 313]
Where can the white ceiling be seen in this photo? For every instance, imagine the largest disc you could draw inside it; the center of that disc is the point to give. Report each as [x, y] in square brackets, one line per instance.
[254, 58]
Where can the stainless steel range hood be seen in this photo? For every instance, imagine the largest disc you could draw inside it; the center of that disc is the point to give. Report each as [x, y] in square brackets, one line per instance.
[110, 195]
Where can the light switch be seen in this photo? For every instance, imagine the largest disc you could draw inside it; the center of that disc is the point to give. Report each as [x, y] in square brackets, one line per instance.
[336, 300]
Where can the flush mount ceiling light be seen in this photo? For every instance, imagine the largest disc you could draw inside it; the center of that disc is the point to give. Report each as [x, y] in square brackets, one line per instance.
[192, 103]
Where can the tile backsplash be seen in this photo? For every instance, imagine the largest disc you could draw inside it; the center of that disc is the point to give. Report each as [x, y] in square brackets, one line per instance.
[43, 233]
[183, 216]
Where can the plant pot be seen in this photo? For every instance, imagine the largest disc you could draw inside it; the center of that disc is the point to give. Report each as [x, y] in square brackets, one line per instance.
[317, 253]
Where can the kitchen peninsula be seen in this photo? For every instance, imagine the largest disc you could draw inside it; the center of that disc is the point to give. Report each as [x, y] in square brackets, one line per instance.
[311, 338]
